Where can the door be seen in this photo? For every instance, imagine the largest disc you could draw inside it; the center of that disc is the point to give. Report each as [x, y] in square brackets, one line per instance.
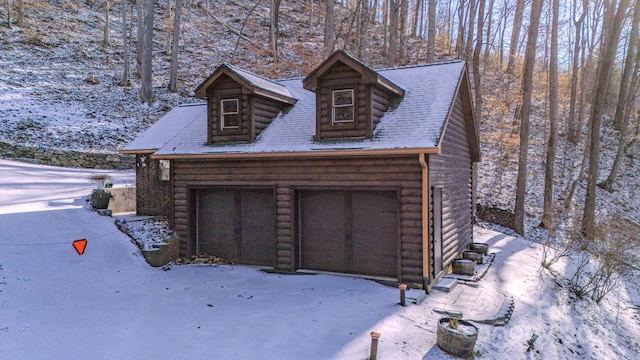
[237, 225]
[350, 232]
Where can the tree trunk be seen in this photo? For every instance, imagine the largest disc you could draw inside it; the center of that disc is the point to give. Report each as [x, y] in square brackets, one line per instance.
[502, 31]
[431, 31]
[125, 46]
[329, 28]
[515, 36]
[547, 213]
[364, 30]
[139, 36]
[404, 14]
[625, 98]
[168, 47]
[394, 14]
[460, 39]
[477, 86]
[9, 14]
[488, 44]
[525, 113]
[416, 17]
[574, 184]
[626, 73]
[607, 57]
[274, 27]
[146, 88]
[21, 20]
[571, 121]
[175, 49]
[311, 15]
[106, 40]
[468, 50]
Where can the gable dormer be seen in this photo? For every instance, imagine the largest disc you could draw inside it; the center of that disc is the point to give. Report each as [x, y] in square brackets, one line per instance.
[350, 97]
[240, 104]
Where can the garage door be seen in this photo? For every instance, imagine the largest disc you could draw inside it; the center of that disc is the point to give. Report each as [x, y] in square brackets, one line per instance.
[350, 232]
[237, 225]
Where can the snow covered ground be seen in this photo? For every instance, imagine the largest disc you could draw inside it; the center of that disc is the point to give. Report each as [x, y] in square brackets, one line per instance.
[109, 304]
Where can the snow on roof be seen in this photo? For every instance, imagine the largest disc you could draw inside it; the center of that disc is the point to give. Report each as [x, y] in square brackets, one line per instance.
[156, 136]
[416, 123]
[261, 82]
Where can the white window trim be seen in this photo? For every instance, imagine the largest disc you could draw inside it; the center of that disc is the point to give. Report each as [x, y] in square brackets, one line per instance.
[222, 114]
[334, 106]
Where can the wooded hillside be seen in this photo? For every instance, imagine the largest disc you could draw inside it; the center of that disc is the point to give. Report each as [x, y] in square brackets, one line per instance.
[555, 82]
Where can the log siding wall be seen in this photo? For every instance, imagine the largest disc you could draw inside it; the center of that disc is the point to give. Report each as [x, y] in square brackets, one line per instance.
[452, 171]
[398, 173]
[153, 196]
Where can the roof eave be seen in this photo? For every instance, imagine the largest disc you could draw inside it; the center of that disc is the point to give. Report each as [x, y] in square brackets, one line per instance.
[136, 151]
[299, 154]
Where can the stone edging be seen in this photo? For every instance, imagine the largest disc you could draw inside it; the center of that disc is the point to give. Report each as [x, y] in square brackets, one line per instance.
[70, 158]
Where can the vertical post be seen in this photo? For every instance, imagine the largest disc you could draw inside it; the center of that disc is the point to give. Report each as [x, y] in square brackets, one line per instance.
[403, 294]
[374, 345]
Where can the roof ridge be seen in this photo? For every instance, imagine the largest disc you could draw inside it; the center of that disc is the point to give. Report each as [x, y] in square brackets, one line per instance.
[445, 62]
[236, 68]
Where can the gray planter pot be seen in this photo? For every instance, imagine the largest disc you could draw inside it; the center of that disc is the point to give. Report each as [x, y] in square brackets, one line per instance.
[458, 342]
[464, 267]
[472, 255]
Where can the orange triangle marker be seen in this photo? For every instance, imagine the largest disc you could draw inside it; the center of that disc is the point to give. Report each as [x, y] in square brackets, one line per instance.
[80, 245]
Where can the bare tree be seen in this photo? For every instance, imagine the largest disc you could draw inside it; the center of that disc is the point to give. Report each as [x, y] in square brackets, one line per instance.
[488, 43]
[515, 36]
[417, 10]
[106, 40]
[168, 46]
[627, 69]
[363, 6]
[139, 36]
[274, 25]
[175, 49]
[625, 98]
[431, 31]
[468, 54]
[608, 48]
[394, 15]
[547, 213]
[525, 113]
[9, 14]
[146, 88]
[404, 12]
[21, 20]
[477, 86]
[460, 38]
[125, 46]
[329, 28]
[571, 121]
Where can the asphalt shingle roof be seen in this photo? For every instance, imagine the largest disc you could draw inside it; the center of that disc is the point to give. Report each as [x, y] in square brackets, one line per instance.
[417, 121]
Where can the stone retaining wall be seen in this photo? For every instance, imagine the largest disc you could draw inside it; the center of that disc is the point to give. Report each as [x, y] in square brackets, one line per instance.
[78, 159]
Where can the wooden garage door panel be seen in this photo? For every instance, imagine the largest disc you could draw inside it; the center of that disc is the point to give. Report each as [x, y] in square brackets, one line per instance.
[257, 227]
[323, 230]
[217, 228]
[350, 231]
[375, 218]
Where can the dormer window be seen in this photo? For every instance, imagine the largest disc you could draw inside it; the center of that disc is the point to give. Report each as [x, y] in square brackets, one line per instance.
[229, 114]
[343, 109]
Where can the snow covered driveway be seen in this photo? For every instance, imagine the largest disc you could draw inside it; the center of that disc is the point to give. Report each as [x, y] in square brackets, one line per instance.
[109, 304]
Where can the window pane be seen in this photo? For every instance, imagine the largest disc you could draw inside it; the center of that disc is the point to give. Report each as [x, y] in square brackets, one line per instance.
[230, 106]
[342, 97]
[343, 113]
[230, 120]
